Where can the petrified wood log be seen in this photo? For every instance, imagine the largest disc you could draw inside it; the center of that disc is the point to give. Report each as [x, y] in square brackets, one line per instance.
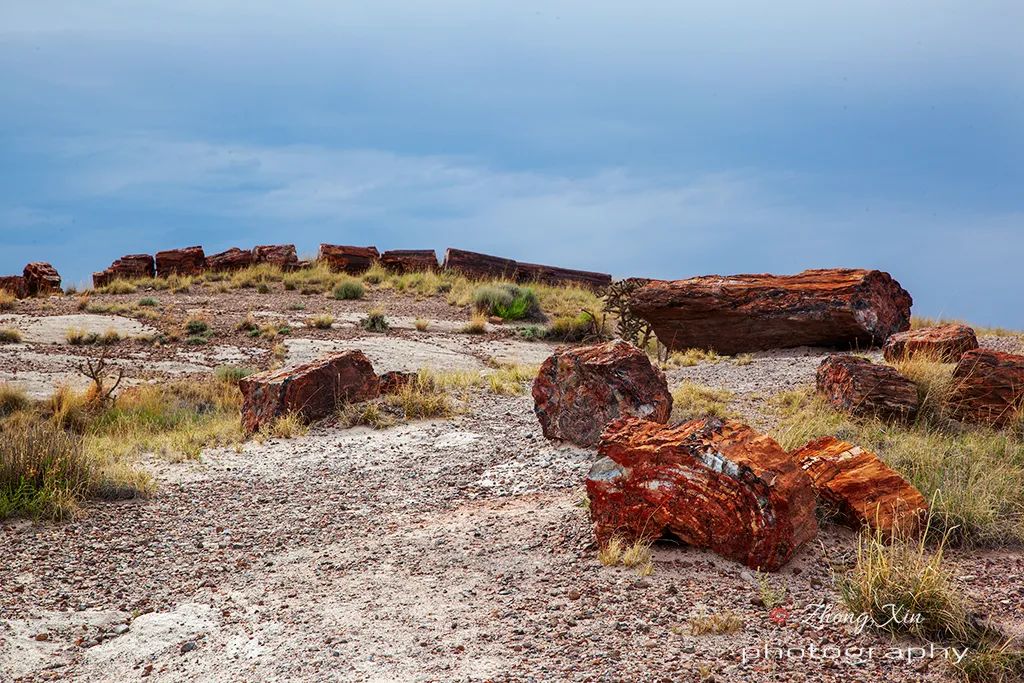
[832, 307]
[187, 261]
[552, 275]
[276, 254]
[714, 484]
[988, 387]
[129, 267]
[409, 260]
[313, 390]
[41, 279]
[346, 259]
[232, 259]
[581, 389]
[943, 343]
[479, 266]
[14, 284]
[860, 489]
[856, 385]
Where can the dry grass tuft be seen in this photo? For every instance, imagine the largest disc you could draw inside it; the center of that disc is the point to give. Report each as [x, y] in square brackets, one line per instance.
[12, 399]
[691, 400]
[691, 357]
[9, 335]
[718, 624]
[284, 427]
[476, 325]
[421, 324]
[619, 551]
[7, 300]
[321, 322]
[44, 470]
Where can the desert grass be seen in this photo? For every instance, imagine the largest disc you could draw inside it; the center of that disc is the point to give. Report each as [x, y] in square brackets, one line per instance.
[44, 470]
[691, 400]
[12, 399]
[572, 329]
[148, 301]
[323, 321]
[375, 321]
[9, 335]
[231, 374]
[743, 359]
[286, 426]
[76, 336]
[509, 379]
[974, 477]
[421, 325]
[476, 325]
[772, 592]
[691, 357]
[7, 300]
[506, 300]
[717, 624]
[982, 330]
[430, 395]
[348, 288]
[637, 554]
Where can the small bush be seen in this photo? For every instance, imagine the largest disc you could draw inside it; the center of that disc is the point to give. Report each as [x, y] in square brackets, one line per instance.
[12, 399]
[76, 336]
[248, 324]
[196, 326]
[572, 329]
[348, 288]
[718, 624]
[148, 302]
[375, 275]
[421, 324]
[263, 288]
[507, 301]
[111, 336]
[231, 374]
[43, 470]
[196, 340]
[321, 322]
[476, 325]
[7, 300]
[9, 335]
[374, 321]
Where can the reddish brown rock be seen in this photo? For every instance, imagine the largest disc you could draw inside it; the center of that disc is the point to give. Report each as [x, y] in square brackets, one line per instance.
[409, 260]
[395, 381]
[275, 254]
[313, 390]
[345, 259]
[833, 307]
[860, 489]
[856, 385]
[943, 343]
[581, 389]
[479, 266]
[713, 484]
[41, 279]
[130, 267]
[187, 261]
[14, 284]
[988, 387]
[552, 275]
[232, 259]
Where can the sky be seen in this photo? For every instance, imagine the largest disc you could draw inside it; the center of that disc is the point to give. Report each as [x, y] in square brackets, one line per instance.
[659, 139]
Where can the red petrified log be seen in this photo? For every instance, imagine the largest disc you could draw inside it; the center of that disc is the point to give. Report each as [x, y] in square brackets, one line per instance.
[832, 307]
[712, 483]
[479, 266]
[409, 260]
[943, 343]
[232, 259]
[345, 259]
[552, 275]
[276, 254]
[41, 279]
[856, 385]
[860, 488]
[130, 267]
[988, 387]
[14, 284]
[581, 389]
[313, 390]
[395, 381]
[187, 261]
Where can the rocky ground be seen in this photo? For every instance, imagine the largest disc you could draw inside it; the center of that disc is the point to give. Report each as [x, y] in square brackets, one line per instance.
[434, 551]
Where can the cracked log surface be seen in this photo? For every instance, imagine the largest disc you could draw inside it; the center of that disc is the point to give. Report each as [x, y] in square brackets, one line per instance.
[988, 387]
[856, 385]
[943, 343]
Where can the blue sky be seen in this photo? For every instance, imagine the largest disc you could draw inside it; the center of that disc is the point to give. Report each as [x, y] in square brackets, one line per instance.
[665, 139]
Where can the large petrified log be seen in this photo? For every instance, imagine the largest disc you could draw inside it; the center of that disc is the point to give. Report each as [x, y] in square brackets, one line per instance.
[943, 343]
[313, 390]
[988, 387]
[231, 259]
[187, 261]
[860, 489]
[831, 307]
[479, 266]
[552, 275]
[275, 254]
[41, 279]
[856, 385]
[14, 284]
[129, 267]
[581, 389]
[712, 483]
[409, 260]
[345, 259]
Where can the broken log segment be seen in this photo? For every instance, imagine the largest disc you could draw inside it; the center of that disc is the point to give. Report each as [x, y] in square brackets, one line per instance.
[942, 343]
[409, 260]
[346, 259]
[858, 386]
[478, 266]
[988, 387]
[552, 275]
[187, 261]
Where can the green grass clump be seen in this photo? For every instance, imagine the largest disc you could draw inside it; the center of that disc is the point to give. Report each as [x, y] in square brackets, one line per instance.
[149, 302]
[231, 374]
[375, 321]
[348, 288]
[573, 329]
[507, 301]
[44, 470]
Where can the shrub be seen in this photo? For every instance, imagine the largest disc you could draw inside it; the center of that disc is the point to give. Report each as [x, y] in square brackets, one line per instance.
[76, 336]
[43, 470]
[321, 322]
[111, 336]
[572, 329]
[374, 321]
[375, 275]
[148, 302]
[7, 300]
[231, 374]
[248, 324]
[196, 326]
[348, 288]
[476, 325]
[9, 335]
[12, 399]
[507, 301]
[263, 288]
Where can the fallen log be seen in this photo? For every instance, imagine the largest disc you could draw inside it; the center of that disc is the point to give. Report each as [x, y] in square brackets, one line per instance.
[988, 387]
[479, 266]
[409, 260]
[856, 385]
[552, 275]
[832, 307]
[346, 259]
[231, 259]
[187, 261]
[942, 343]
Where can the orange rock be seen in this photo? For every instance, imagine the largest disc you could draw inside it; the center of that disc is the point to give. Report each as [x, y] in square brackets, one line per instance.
[187, 261]
[831, 307]
[713, 484]
[581, 389]
[988, 387]
[944, 343]
[856, 385]
[313, 390]
[860, 488]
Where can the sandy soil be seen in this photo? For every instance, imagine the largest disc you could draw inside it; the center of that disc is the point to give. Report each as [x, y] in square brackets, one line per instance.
[434, 551]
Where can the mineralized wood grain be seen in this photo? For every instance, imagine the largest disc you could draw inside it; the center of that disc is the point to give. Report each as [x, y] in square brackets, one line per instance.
[41, 279]
[942, 343]
[988, 387]
[830, 307]
[14, 284]
[713, 484]
[861, 489]
[581, 389]
[187, 261]
[128, 267]
[553, 275]
[275, 254]
[479, 266]
[409, 260]
[856, 385]
[231, 259]
[346, 259]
